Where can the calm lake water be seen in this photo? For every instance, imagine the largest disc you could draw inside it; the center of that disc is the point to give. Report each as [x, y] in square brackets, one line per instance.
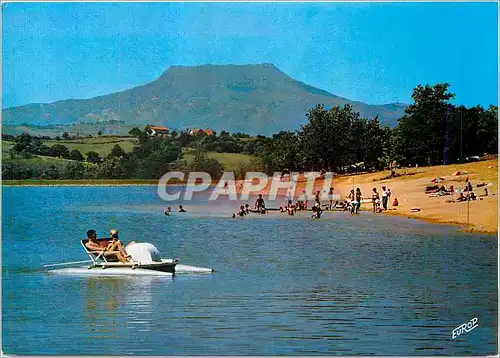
[366, 284]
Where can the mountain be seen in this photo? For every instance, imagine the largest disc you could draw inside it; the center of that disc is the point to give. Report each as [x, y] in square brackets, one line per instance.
[256, 99]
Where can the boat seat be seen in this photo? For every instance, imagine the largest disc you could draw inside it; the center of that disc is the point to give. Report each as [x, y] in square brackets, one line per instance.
[98, 255]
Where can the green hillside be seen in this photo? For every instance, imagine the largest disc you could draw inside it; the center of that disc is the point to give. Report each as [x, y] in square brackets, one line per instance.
[230, 161]
[101, 145]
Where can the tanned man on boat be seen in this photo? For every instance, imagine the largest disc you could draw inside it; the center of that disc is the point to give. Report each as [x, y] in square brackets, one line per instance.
[115, 245]
[112, 250]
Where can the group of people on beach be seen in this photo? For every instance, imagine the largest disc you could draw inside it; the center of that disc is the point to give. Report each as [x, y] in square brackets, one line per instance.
[380, 202]
[468, 190]
[352, 203]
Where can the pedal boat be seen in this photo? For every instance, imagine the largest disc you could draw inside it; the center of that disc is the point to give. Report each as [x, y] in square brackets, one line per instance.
[144, 256]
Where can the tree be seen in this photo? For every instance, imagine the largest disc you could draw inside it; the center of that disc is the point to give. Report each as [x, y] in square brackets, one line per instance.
[65, 135]
[23, 141]
[59, 151]
[111, 167]
[93, 157]
[76, 155]
[117, 151]
[50, 172]
[152, 158]
[203, 163]
[74, 170]
[99, 133]
[424, 129]
[282, 152]
[44, 150]
[15, 171]
[488, 130]
[135, 132]
[327, 140]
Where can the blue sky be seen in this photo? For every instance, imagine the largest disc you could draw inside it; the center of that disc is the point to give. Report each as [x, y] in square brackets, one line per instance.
[371, 52]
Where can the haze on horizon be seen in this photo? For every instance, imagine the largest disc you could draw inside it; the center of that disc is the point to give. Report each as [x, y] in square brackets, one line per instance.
[374, 53]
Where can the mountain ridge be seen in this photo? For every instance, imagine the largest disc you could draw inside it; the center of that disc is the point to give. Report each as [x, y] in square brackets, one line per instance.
[256, 99]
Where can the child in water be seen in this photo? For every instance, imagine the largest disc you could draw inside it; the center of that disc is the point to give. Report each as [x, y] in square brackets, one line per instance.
[316, 212]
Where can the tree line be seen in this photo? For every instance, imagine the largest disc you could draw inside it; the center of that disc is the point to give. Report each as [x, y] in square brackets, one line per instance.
[432, 131]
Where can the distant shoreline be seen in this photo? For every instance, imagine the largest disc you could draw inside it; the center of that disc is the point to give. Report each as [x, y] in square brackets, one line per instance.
[83, 182]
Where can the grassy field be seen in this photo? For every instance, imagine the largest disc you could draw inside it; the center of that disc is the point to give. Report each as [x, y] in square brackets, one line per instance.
[37, 160]
[101, 145]
[231, 161]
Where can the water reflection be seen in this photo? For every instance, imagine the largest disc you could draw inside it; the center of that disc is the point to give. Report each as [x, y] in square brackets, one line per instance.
[112, 303]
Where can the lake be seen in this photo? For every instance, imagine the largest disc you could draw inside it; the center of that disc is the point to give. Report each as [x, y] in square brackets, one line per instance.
[341, 285]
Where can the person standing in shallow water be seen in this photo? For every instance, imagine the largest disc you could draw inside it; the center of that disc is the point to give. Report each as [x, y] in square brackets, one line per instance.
[375, 199]
[330, 197]
[260, 204]
[384, 198]
[358, 199]
[317, 199]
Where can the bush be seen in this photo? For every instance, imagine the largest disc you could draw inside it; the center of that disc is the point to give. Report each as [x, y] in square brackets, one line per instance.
[93, 157]
[76, 155]
[74, 170]
[59, 151]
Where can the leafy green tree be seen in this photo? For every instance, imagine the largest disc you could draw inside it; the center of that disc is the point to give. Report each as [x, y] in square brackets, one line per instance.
[282, 152]
[423, 128]
[203, 163]
[74, 170]
[111, 167]
[152, 159]
[135, 132]
[117, 151]
[44, 150]
[65, 135]
[23, 141]
[91, 171]
[15, 171]
[75, 154]
[93, 157]
[488, 130]
[50, 172]
[374, 143]
[327, 140]
[59, 151]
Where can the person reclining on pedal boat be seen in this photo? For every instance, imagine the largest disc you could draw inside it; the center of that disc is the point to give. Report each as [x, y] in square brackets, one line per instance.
[114, 249]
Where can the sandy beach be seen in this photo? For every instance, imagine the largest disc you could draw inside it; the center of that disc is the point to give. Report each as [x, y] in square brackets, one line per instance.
[410, 186]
